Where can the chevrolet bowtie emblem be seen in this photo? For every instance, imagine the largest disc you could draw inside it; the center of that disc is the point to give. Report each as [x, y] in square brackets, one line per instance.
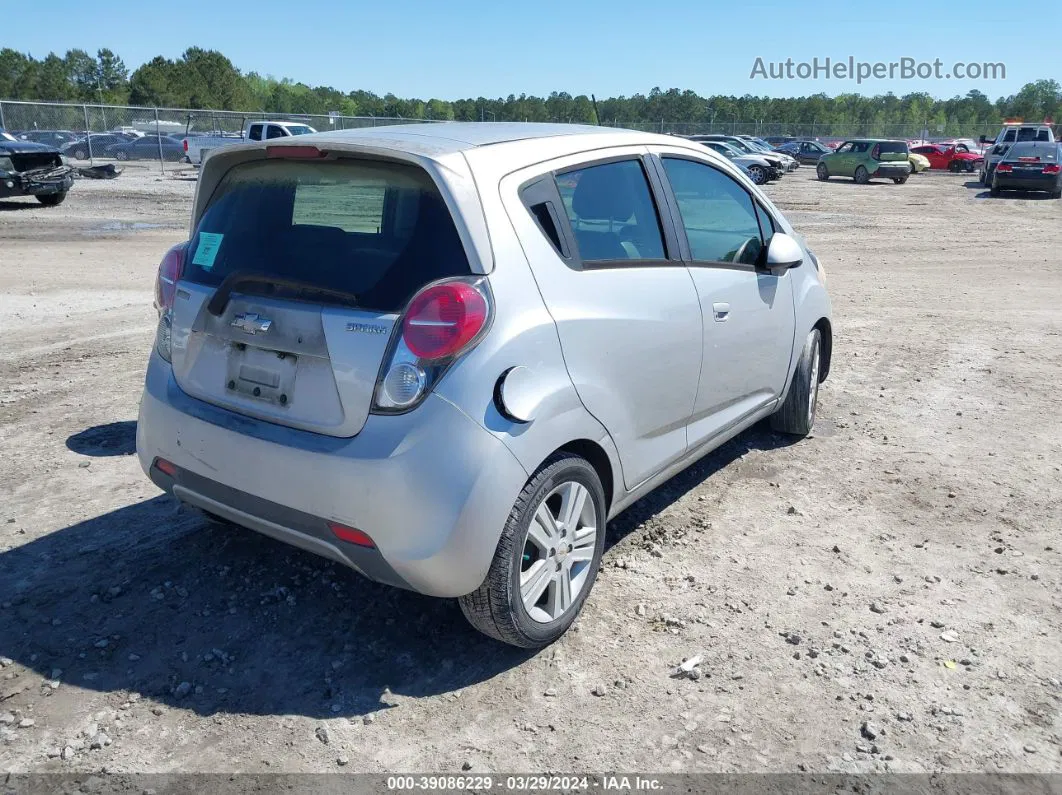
[251, 322]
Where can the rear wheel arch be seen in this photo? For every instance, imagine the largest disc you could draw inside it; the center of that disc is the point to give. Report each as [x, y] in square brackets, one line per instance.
[826, 336]
[598, 458]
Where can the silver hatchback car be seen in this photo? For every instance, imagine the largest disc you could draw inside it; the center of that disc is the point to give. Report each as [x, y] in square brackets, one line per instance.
[445, 355]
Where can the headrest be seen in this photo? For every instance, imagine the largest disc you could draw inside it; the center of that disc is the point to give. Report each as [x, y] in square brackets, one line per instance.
[604, 193]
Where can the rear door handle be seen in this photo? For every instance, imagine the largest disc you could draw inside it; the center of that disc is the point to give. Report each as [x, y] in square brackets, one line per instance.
[721, 312]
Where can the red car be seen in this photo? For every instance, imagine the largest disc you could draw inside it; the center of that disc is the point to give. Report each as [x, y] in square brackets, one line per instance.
[953, 158]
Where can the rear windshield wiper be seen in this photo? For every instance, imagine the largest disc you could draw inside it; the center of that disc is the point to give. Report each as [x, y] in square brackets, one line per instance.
[220, 300]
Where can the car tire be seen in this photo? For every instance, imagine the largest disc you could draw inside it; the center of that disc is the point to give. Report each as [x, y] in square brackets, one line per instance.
[497, 608]
[993, 190]
[757, 175]
[796, 415]
[1056, 194]
[955, 166]
[121, 154]
[900, 180]
[822, 172]
[861, 176]
[81, 154]
[52, 199]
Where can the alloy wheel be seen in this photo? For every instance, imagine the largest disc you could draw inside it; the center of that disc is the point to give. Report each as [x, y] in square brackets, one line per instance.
[558, 552]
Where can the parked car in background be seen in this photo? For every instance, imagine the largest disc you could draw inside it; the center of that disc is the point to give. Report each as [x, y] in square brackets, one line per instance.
[149, 147]
[28, 168]
[6, 136]
[919, 163]
[757, 168]
[778, 162]
[97, 144]
[56, 138]
[759, 146]
[957, 157]
[1032, 166]
[195, 147]
[777, 140]
[1012, 132]
[430, 390]
[805, 151]
[866, 159]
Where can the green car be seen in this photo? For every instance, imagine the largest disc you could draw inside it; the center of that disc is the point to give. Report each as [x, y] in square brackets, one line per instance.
[866, 158]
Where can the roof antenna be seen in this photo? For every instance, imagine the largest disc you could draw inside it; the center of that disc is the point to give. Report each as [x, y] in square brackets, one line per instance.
[597, 118]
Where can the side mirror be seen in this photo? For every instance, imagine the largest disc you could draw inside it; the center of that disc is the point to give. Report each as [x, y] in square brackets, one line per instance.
[783, 252]
[985, 140]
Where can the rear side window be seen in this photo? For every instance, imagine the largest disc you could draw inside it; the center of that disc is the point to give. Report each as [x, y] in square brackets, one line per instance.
[611, 212]
[378, 230]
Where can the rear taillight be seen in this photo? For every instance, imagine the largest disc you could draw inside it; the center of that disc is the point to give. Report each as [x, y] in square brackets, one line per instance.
[1004, 168]
[170, 270]
[442, 322]
[875, 153]
[1052, 169]
[184, 143]
[442, 319]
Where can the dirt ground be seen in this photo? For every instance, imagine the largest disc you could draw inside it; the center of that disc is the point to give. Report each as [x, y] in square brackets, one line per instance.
[882, 596]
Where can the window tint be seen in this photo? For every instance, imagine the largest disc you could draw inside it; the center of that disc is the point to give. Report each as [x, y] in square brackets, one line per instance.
[611, 212]
[256, 132]
[379, 230]
[860, 146]
[717, 214]
[1008, 136]
[844, 148]
[274, 132]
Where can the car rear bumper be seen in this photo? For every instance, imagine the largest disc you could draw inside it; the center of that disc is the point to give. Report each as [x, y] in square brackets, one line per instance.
[892, 170]
[1049, 182]
[431, 488]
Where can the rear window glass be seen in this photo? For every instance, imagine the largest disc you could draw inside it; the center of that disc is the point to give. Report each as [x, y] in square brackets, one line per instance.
[1031, 149]
[378, 230]
[892, 147]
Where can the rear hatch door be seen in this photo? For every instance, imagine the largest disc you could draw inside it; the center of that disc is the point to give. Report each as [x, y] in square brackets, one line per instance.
[294, 280]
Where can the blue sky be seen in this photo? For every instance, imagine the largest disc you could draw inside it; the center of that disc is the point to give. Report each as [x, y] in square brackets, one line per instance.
[492, 48]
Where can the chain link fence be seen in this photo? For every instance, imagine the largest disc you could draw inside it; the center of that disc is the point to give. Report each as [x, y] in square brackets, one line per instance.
[763, 129]
[113, 127]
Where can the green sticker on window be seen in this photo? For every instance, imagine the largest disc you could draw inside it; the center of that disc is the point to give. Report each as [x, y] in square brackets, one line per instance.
[207, 250]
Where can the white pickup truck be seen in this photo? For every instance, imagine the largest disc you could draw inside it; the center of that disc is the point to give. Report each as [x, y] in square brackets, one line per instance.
[196, 147]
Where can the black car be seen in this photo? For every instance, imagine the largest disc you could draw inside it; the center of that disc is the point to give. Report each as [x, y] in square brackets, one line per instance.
[28, 168]
[1030, 165]
[55, 138]
[102, 145]
[805, 151]
[147, 148]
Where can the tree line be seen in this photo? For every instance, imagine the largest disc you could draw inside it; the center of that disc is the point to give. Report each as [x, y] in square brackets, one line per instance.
[207, 79]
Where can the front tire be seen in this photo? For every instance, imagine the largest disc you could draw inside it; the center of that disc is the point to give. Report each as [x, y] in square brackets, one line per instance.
[52, 199]
[861, 176]
[121, 154]
[81, 154]
[899, 180]
[796, 415]
[547, 557]
[822, 172]
[757, 175]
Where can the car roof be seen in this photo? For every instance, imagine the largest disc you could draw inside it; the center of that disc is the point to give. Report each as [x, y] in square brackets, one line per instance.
[446, 137]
